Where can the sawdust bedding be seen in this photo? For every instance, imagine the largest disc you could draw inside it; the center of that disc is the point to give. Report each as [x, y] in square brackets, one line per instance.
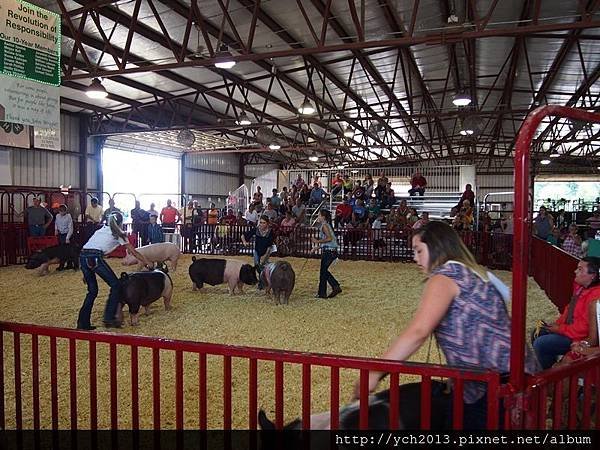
[377, 301]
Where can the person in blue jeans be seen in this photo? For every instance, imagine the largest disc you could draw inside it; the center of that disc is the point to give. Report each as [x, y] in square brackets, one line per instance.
[329, 246]
[92, 263]
[38, 218]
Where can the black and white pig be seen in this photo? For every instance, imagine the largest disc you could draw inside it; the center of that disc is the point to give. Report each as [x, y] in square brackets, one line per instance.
[409, 417]
[143, 288]
[280, 278]
[218, 271]
[59, 254]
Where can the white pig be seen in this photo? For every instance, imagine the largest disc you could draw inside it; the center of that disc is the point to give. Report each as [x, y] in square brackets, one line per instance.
[156, 253]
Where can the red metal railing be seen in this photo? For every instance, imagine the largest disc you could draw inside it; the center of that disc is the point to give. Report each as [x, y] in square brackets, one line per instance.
[83, 374]
[553, 269]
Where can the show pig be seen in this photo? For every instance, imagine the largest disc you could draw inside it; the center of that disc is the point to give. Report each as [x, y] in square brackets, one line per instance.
[143, 288]
[218, 271]
[58, 254]
[280, 278]
[157, 253]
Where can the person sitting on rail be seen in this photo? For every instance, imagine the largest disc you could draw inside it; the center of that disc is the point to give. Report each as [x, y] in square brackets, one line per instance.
[343, 213]
[464, 307]
[589, 345]
[573, 324]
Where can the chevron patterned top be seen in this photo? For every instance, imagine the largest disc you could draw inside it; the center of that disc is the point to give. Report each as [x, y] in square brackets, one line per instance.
[475, 332]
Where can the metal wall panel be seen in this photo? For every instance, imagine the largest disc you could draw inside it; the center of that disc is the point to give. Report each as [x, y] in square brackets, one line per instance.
[225, 162]
[199, 183]
[92, 174]
[500, 182]
[69, 133]
[44, 168]
[264, 175]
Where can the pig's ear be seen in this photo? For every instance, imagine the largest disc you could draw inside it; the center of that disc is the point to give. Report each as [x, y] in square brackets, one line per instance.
[265, 423]
[193, 258]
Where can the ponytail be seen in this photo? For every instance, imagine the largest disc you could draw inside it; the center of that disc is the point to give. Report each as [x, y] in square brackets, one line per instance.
[114, 222]
[327, 215]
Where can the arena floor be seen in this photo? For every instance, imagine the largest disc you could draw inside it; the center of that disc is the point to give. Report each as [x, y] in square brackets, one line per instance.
[377, 301]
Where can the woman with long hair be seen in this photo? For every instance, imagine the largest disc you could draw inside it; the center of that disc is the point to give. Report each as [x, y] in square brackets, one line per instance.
[327, 242]
[464, 307]
[92, 263]
[263, 244]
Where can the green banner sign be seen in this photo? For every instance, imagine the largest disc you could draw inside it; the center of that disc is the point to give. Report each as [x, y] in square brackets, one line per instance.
[29, 42]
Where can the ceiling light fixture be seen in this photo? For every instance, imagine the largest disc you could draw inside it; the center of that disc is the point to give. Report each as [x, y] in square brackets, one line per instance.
[466, 132]
[461, 99]
[348, 132]
[274, 146]
[243, 119]
[545, 162]
[306, 108]
[555, 155]
[313, 158]
[354, 171]
[224, 56]
[96, 90]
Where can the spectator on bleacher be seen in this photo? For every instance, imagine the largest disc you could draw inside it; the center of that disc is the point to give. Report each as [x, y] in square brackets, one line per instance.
[212, 216]
[110, 210]
[573, 323]
[380, 188]
[187, 213]
[358, 193]
[395, 221]
[299, 182]
[417, 183]
[382, 181]
[561, 220]
[270, 212]
[257, 197]
[348, 184]
[466, 215]
[389, 196]
[229, 218]
[317, 195]
[239, 220]
[259, 208]
[543, 223]
[369, 190]
[63, 225]
[155, 232]
[572, 243]
[251, 215]
[275, 199]
[403, 209]
[412, 217]
[152, 211]
[424, 220]
[298, 210]
[288, 221]
[169, 216]
[285, 194]
[304, 194]
[554, 237]
[38, 218]
[367, 179]
[294, 194]
[373, 209]
[468, 194]
[93, 211]
[594, 223]
[343, 213]
[337, 184]
[359, 212]
[316, 180]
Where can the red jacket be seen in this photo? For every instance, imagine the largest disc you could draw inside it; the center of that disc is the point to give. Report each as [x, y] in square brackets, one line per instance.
[343, 210]
[579, 329]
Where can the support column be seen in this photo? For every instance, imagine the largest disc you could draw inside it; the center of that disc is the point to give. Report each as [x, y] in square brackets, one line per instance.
[183, 176]
[242, 170]
[83, 155]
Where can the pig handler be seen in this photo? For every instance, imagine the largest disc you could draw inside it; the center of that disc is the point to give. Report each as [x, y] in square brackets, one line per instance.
[92, 263]
[329, 246]
[263, 245]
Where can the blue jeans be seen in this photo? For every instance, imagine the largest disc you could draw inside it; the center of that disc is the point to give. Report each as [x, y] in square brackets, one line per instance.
[37, 230]
[92, 263]
[325, 275]
[549, 346]
[62, 238]
[259, 267]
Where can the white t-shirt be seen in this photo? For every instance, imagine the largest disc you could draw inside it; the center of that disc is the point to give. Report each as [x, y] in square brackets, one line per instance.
[94, 213]
[251, 216]
[104, 241]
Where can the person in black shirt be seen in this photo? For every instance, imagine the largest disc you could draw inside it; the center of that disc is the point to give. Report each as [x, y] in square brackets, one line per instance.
[263, 244]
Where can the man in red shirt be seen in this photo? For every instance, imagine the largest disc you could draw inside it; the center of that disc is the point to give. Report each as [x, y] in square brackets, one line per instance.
[169, 216]
[343, 213]
[573, 323]
[418, 183]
